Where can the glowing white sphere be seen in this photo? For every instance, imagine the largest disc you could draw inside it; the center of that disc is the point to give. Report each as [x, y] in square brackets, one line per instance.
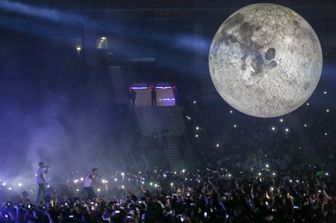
[265, 60]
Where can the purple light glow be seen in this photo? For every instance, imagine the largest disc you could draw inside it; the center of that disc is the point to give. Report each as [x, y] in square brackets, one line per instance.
[139, 88]
[159, 87]
[168, 99]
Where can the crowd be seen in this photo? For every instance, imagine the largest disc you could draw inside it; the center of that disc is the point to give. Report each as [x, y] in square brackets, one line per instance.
[202, 195]
[230, 183]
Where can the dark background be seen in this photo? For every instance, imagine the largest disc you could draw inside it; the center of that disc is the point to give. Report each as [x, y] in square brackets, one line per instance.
[58, 106]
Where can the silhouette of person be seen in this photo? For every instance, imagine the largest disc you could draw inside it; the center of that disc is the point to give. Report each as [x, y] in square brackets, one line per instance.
[153, 94]
[132, 96]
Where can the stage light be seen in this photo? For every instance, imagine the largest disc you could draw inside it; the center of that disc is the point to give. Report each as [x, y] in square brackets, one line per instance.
[194, 102]
[20, 184]
[156, 185]
[281, 120]
[75, 181]
[197, 128]
[327, 110]
[188, 117]
[171, 184]
[98, 189]
[327, 174]
[122, 186]
[286, 130]
[217, 145]
[273, 174]
[235, 126]
[151, 183]
[259, 174]
[9, 188]
[164, 175]
[267, 166]
[325, 133]
[77, 190]
[115, 179]
[81, 179]
[196, 135]
[4, 184]
[325, 92]
[183, 170]
[273, 128]
[305, 125]
[103, 38]
[231, 112]
[78, 48]
[229, 175]
[272, 188]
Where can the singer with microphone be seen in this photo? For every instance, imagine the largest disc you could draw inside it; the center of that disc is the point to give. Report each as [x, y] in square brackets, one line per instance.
[88, 181]
[40, 180]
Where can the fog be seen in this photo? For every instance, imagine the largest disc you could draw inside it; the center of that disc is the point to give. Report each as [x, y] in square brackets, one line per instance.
[64, 117]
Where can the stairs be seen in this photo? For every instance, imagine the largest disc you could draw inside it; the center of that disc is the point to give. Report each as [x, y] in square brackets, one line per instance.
[173, 153]
[157, 119]
[309, 155]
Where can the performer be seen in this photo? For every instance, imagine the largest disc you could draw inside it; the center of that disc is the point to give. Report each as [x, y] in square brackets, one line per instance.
[88, 181]
[40, 180]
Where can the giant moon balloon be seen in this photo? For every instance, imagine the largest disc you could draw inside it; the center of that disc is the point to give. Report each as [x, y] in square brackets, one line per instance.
[265, 60]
